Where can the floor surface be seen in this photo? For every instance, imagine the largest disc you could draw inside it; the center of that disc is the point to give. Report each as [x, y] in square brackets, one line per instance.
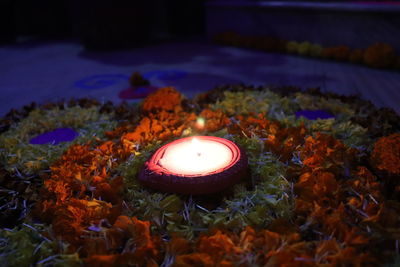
[51, 71]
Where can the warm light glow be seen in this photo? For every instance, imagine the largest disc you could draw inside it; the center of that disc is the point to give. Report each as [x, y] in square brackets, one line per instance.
[200, 123]
[196, 146]
[196, 157]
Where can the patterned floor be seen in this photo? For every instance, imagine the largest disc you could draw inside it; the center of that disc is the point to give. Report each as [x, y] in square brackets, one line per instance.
[51, 71]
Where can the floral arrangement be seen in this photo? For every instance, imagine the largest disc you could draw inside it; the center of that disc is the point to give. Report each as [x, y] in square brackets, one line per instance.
[378, 55]
[319, 192]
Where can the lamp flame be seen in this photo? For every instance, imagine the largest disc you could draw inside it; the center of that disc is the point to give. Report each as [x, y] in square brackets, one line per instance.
[200, 123]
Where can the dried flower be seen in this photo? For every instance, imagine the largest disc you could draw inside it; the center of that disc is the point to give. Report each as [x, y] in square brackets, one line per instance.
[379, 55]
[164, 99]
[386, 154]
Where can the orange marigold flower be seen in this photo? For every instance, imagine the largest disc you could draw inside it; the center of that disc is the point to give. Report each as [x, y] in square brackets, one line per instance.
[280, 140]
[217, 245]
[341, 52]
[101, 260]
[247, 238]
[145, 245]
[211, 120]
[159, 126]
[356, 56]
[178, 245]
[195, 260]
[167, 98]
[379, 55]
[386, 154]
[316, 185]
[324, 152]
[368, 187]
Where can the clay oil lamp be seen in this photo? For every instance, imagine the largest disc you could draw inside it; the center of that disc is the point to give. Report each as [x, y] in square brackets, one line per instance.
[195, 166]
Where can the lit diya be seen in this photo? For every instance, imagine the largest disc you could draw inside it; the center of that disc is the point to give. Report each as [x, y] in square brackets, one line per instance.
[195, 165]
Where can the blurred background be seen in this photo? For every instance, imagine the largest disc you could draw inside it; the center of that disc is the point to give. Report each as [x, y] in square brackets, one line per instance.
[52, 50]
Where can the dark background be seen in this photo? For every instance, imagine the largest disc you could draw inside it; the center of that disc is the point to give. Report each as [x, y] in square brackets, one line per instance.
[101, 24]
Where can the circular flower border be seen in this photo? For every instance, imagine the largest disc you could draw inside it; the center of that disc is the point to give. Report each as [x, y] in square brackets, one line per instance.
[331, 195]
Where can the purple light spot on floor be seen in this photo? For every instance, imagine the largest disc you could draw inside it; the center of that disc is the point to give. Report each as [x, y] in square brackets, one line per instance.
[168, 75]
[55, 137]
[303, 80]
[100, 81]
[314, 114]
[137, 92]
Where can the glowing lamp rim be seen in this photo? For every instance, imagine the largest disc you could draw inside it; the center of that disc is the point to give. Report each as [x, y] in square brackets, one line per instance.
[155, 158]
[154, 176]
